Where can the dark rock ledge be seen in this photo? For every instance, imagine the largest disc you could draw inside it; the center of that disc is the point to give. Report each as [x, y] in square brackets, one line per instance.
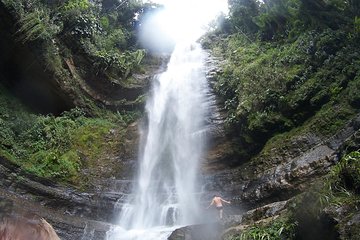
[72, 213]
[295, 171]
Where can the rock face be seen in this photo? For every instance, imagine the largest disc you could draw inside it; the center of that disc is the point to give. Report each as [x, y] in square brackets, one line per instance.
[267, 183]
[18, 185]
[24, 74]
[230, 225]
[310, 157]
[26, 227]
[71, 212]
[74, 213]
[66, 226]
[258, 215]
[50, 82]
[80, 215]
[211, 231]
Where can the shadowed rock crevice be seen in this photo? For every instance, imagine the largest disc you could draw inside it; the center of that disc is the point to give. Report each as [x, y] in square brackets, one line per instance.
[291, 175]
[72, 213]
[24, 75]
[54, 75]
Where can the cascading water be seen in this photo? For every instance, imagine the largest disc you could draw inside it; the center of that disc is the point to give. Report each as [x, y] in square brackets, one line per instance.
[166, 193]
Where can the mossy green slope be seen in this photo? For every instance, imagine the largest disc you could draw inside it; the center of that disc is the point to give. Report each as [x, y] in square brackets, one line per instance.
[88, 49]
[327, 210]
[309, 84]
[60, 147]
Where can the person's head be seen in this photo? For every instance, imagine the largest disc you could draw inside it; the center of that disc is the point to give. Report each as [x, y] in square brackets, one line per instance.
[26, 228]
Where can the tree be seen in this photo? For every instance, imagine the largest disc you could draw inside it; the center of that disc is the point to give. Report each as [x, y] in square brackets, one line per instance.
[242, 14]
[275, 17]
[354, 7]
[318, 13]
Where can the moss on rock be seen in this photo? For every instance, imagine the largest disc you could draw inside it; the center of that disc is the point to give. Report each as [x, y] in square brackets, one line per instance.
[67, 148]
[267, 88]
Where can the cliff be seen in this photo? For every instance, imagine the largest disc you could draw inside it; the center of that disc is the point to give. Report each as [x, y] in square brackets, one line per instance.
[284, 133]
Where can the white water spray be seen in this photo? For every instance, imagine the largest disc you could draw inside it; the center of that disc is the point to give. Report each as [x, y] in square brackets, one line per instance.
[167, 191]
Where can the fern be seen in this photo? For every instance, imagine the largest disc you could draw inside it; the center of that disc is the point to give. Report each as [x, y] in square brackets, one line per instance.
[36, 25]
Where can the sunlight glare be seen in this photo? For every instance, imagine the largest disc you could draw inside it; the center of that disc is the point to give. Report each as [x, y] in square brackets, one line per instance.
[180, 20]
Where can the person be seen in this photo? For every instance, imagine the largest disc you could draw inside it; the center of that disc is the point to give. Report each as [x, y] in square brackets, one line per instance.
[217, 201]
[26, 228]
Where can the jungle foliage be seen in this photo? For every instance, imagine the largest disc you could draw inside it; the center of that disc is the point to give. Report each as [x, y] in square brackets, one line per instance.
[276, 230]
[313, 214]
[287, 62]
[101, 37]
[336, 196]
[57, 147]
[104, 32]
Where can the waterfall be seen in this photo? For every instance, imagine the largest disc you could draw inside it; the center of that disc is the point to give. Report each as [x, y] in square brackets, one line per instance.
[167, 193]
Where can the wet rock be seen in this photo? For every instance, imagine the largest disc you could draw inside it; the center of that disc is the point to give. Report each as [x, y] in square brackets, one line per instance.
[21, 227]
[75, 214]
[211, 231]
[232, 220]
[26, 187]
[290, 173]
[52, 81]
[344, 221]
[68, 227]
[86, 230]
[267, 211]
[214, 66]
[260, 215]
[215, 120]
[232, 224]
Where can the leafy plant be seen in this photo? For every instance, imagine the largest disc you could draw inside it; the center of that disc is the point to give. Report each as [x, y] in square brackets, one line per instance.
[53, 164]
[357, 24]
[272, 87]
[57, 147]
[341, 186]
[37, 25]
[346, 173]
[113, 61]
[276, 230]
[76, 5]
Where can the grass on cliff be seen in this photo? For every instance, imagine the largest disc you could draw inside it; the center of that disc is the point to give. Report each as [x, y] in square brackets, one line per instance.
[276, 86]
[328, 121]
[57, 147]
[336, 196]
[277, 230]
[310, 214]
[103, 34]
[343, 180]
[269, 88]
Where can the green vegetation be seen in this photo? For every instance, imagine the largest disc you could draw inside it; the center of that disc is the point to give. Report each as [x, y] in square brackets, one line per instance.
[344, 179]
[86, 48]
[290, 79]
[37, 25]
[323, 211]
[102, 32]
[287, 64]
[279, 19]
[276, 230]
[336, 196]
[291, 76]
[327, 121]
[58, 147]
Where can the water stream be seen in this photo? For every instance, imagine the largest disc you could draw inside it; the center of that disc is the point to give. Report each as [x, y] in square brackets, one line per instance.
[167, 192]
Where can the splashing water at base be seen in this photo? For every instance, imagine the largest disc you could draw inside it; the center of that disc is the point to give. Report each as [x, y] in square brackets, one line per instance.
[166, 196]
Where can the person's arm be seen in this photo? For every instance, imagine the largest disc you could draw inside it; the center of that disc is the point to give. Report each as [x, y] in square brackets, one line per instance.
[225, 201]
[212, 202]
